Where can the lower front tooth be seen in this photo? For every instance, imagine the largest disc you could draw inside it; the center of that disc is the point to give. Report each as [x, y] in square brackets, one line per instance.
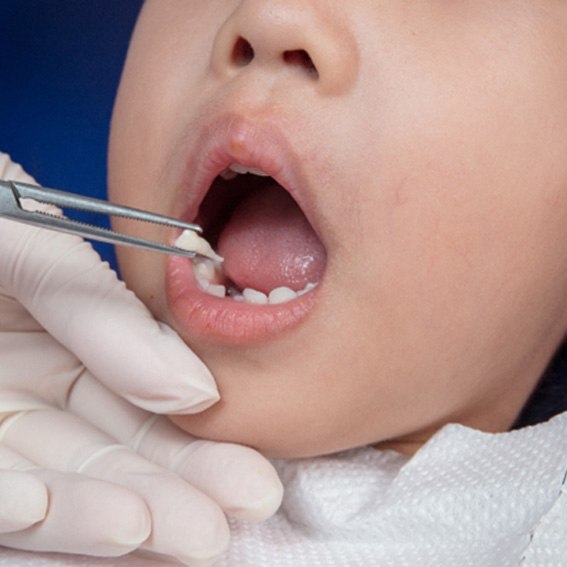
[309, 287]
[281, 295]
[216, 290]
[254, 296]
[204, 269]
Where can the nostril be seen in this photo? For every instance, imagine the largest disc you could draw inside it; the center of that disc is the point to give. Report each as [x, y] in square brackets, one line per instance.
[242, 52]
[302, 59]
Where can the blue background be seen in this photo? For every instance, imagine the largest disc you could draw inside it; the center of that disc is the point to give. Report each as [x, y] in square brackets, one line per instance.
[60, 64]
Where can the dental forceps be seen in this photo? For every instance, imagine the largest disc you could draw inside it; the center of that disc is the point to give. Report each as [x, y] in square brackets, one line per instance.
[12, 193]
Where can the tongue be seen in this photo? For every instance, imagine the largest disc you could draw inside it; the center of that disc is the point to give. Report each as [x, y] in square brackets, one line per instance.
[268, 243]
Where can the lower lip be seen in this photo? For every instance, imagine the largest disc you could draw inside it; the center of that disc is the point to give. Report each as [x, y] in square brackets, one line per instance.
[201, 315]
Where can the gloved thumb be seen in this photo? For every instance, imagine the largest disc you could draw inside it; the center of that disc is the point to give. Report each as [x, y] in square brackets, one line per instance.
[80, 301]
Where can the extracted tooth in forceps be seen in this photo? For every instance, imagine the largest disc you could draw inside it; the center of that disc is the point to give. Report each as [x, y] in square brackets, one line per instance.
[12, 194]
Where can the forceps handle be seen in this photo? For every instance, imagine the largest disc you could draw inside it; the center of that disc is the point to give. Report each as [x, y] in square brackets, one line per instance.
[11, 207]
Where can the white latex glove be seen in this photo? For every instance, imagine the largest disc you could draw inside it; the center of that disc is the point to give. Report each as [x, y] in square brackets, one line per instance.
[82, 470]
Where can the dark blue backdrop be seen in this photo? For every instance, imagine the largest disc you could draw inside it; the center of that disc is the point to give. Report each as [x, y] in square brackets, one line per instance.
[60, 63]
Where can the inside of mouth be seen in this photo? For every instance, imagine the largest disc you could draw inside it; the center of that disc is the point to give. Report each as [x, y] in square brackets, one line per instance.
[271, 252]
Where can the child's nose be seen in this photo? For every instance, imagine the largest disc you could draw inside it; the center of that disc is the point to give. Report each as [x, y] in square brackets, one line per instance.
[312, 37]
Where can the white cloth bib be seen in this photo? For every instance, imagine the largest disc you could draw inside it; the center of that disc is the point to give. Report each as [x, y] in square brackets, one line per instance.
[465, 499]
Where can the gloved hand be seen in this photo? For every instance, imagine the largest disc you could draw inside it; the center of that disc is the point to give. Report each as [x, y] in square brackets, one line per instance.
[82, 469]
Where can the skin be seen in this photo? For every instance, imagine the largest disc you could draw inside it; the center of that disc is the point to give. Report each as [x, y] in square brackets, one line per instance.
[434, 142]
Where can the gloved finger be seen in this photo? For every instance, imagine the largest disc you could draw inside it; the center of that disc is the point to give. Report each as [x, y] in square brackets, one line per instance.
[23, 496]
[12, 170]
[79, 300]
[34, 362]
[14, 317]
[13, 401]
[242, 482]
[238, 478]
[186, 524]
[44, 510]
[85, 516]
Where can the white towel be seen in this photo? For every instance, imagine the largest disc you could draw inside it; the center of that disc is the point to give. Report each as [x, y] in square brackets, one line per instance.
[465, 499]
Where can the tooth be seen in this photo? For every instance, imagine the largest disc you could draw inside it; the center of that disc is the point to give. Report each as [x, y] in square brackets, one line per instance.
[234, 293]
[241, 169]
[190, 240]
[204, 269]
[281, 295]
[309, 287]
[216, 290]
[254, 296]
[228, 174]
[203, 283]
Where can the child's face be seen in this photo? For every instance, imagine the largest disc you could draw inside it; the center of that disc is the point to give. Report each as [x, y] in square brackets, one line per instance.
[428, 151]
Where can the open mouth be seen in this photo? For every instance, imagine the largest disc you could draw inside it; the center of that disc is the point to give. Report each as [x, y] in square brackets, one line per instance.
[247, 193]
[271, 253]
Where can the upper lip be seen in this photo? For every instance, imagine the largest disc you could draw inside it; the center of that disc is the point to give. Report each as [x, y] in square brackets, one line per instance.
[237, 139]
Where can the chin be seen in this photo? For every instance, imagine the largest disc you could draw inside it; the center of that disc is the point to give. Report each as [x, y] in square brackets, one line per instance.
[259, 403]
[230, 422]
[273, 402]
